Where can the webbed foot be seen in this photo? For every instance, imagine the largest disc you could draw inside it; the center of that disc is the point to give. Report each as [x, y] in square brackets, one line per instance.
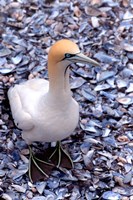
[41, 165]
[60, 157]
[38, 168]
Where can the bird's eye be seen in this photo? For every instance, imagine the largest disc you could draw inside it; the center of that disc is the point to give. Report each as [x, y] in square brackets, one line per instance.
[68, 55]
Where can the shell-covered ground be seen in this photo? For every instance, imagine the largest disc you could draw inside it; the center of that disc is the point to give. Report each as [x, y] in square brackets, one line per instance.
[102, 147]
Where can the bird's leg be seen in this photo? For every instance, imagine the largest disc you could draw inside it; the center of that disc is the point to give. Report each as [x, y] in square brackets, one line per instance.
[62, 157]
[33, 160]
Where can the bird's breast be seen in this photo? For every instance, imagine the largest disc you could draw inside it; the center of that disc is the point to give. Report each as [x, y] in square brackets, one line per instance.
[54, 123]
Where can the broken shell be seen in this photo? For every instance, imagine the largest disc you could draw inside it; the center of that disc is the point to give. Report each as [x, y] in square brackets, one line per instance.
[105, 75]
[19, 188]
[102, 87]
[95, 22]
[6, 71]
[88, 158]
[109, 195]
[40, 186]
[4, 52]
[17, 59]
[128, 47]
[130, 88]
[125, 100]
[85, 147]
[88, 95]
[104, 29]
[16, 173]
[39, 198]
[121, 83]
[106, 132]
[2, 173]
[6, 196]
[77, 83]
[102, 57]
[128, 177]
[10, 145]
[128, 15]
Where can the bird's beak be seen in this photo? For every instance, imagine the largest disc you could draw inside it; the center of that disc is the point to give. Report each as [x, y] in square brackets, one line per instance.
[81, 58]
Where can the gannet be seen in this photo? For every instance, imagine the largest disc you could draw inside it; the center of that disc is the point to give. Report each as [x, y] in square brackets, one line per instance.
[44, 110]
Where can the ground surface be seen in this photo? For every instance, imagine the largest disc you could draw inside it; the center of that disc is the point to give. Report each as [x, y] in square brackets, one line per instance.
[102, 149]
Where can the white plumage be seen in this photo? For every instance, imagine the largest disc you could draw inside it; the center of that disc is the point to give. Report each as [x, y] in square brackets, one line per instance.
[45, 110]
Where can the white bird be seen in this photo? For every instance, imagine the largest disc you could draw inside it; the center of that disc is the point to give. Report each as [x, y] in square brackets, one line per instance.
[45, 110]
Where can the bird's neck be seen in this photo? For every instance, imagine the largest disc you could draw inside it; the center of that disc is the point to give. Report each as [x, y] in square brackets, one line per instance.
[59, 86]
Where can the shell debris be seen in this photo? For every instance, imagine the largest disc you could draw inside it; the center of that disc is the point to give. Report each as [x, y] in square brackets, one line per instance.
[101, 147]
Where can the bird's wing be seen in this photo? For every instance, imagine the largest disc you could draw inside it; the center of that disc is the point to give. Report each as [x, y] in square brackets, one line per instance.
[22, 119]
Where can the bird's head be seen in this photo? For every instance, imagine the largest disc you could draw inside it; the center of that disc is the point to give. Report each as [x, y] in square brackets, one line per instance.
[67, 52]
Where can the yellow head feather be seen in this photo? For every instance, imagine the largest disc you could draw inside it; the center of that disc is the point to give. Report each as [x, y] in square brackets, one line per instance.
[59, 49]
